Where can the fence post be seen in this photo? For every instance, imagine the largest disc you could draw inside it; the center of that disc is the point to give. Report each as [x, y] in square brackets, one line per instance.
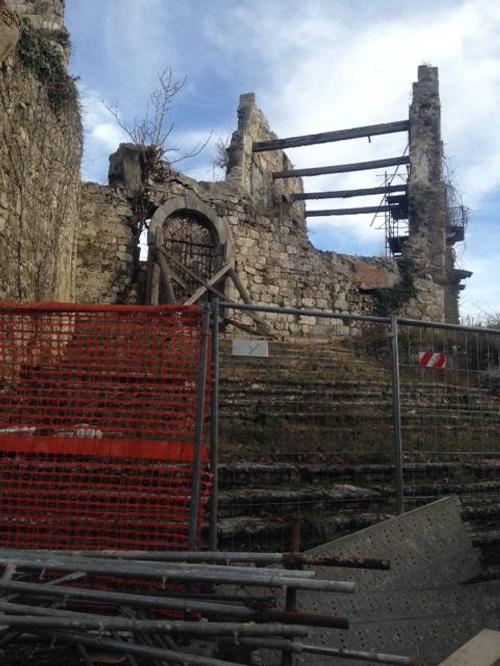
[214, 426]
[201, 381]
[396, 415]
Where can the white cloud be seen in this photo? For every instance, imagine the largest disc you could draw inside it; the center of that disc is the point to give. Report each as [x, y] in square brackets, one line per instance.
[331, 70]
[318, 65]
[102, 136]
[481, 298]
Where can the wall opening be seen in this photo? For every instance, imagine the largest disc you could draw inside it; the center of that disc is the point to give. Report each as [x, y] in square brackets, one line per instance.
[192, 250]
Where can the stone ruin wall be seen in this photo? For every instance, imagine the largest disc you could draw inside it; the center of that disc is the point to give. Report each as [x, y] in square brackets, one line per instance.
[65, 241]
[273, 256]
[106, 247]
[40, 151]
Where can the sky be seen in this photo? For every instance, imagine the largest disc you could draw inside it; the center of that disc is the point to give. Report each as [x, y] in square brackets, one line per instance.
[314, 65]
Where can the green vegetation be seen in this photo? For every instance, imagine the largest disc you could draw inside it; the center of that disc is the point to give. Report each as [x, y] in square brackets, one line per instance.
[39, 54]
[391, 299]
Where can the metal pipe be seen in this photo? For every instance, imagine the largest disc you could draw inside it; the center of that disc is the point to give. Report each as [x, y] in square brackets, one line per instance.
[168, 574]
[306, 619]
[287, 658]
[305, 312]
[361, 655]
[214, 427]
[147, 601]
[447, 327]
[206, 608]
[154, 640]
[188, 567]
[201, 382]
[396, 416]
[379, 657]
[22, 615]
[218, 557]
[122, 647]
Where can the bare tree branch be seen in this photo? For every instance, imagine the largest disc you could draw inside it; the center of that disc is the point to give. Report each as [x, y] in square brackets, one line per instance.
[153, 129]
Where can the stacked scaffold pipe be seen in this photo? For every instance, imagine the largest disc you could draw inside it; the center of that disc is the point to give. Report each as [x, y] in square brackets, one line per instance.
[157, 607]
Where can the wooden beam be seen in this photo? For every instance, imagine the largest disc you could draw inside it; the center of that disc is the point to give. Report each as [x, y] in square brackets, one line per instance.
[210, 283]
[328, 137]
[176, 277]
[165, 276]
[349, 211]
[155, 285]
[213, 290]
[345, 194]
[342, 168]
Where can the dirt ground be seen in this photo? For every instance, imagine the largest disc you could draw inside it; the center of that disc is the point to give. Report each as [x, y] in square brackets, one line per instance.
[42, 654]
[39, 654]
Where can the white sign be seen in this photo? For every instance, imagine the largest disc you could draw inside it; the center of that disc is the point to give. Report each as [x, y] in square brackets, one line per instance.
[253, 348]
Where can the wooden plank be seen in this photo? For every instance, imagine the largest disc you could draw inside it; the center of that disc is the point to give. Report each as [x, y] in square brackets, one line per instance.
[328, 137]
[482, 650]
[176, 277]
[345, 194]
[155, 284]
[221, 295]
[342, 168]
[213, 281]
[165, 277]
[348, 211]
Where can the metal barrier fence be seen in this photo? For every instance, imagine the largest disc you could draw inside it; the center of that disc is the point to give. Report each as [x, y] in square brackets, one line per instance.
[101, 426]
[450, 381]
[336, 419]
[342, 419]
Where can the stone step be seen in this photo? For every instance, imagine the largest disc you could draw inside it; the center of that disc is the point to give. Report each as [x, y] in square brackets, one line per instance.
[269, 501]
[245, 475]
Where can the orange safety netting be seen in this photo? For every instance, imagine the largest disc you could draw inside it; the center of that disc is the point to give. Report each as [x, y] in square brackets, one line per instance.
[97, 420]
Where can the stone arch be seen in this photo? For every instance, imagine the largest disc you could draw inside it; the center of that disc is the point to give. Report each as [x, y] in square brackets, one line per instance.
[219, 229]
[204, 226]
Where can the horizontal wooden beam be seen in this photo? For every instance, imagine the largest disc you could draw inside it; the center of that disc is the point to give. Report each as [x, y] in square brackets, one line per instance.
[348, 211]
[345, 194]
[328, 137]
[342, 168]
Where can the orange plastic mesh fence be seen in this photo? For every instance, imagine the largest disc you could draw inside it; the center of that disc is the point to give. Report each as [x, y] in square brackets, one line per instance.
[97, 418]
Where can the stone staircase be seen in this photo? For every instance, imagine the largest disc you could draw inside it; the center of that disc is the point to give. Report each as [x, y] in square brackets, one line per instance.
[308, 433]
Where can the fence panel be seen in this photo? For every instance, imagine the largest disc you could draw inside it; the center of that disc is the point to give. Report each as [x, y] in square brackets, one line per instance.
[306, 430]
[97, 425]
[450, 390]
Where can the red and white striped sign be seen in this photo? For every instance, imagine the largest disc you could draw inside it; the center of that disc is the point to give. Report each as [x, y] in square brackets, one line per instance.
[434, 360]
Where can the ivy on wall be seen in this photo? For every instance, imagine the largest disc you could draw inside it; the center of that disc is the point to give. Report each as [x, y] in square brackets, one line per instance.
[390, 300]
[39, 54]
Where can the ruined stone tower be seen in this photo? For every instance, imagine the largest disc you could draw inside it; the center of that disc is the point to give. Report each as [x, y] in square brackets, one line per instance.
[433, 229]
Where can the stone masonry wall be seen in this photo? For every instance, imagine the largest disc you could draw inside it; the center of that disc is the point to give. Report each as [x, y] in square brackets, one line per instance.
[46, 14]
[105, 255]
[40, 152]
[276, 262]
[273, 256]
